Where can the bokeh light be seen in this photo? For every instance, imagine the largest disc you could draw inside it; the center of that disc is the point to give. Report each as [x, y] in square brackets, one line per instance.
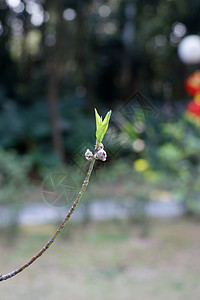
[104, 11]
[69, 14]
[189, 49]
[13, 3]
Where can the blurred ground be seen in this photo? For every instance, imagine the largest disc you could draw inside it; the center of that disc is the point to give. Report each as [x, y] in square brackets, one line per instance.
[106, 260]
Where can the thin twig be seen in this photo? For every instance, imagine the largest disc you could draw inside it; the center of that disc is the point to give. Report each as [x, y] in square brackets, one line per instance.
[58, 231]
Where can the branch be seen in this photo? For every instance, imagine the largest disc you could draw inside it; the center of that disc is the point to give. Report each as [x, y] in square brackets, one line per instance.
[58, 231]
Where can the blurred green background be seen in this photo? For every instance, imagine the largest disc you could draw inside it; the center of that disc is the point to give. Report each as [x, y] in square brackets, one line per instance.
[137, 237]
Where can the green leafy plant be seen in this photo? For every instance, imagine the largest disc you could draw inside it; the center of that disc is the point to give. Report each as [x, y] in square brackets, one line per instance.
[99, 153]
[172, 158]
[15, 186]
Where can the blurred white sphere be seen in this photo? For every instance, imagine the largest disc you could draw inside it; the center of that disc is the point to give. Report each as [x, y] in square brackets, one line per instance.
[189, 49]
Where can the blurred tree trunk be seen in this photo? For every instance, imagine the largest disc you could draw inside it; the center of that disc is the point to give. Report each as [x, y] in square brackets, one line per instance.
[54, 74]
[53, 86]
[80, 44]
[83, 53]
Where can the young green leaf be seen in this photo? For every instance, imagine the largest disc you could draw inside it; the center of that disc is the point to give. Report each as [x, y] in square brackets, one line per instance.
[101, 132]
[107, 117]
[98, 120]
[101, 126]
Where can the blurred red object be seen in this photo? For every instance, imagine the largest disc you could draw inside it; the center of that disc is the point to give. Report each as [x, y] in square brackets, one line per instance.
[192, 83]
[193, 108]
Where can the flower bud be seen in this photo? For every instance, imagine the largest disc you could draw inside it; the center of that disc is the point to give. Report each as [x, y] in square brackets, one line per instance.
[101, 155]
[100, 147]
[88, 155]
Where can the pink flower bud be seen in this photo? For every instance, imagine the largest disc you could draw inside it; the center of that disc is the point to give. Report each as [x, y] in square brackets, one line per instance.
[100, 147]
[101, 155]
[88, 155]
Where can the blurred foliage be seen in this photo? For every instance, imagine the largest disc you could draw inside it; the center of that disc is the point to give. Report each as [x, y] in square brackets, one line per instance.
[28, 129]
[167, 153]
[59, 59]
[14, 172]
[15, 188]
